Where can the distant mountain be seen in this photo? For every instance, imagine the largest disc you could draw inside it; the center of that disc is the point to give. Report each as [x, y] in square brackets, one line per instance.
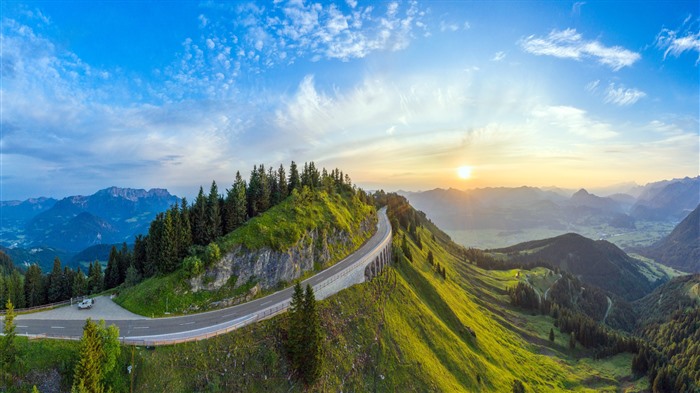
[667, 200]
[42, 256]
[600, 263]
[112, 215]
[680, 249]
[583, 199]
[24, 210]
[98, 252]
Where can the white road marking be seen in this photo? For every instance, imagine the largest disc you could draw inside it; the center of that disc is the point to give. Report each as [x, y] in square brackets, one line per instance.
[57, 327]
[21, 326]
[267, 302]
[140, 327]
[187, 323]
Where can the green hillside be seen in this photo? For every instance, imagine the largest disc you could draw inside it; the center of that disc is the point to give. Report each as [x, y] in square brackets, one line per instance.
[408, 330]
[279, 228]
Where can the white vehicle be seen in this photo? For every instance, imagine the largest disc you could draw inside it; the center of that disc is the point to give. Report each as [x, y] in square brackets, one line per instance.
[87, 303]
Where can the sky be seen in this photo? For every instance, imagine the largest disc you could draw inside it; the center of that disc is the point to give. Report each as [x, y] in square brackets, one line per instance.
[399, 95]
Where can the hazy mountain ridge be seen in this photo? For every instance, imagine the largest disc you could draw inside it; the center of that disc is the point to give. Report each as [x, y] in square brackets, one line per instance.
[681, 248]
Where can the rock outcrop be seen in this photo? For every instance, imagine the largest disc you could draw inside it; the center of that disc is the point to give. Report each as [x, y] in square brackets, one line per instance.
[318, 248]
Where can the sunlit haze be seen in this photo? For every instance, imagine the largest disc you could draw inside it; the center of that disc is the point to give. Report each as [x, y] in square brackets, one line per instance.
[400, 95]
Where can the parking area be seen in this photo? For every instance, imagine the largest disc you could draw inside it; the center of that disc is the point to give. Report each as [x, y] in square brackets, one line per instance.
[103, 308]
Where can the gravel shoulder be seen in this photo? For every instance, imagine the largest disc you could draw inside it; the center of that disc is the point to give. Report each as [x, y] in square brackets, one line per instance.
[104, 308]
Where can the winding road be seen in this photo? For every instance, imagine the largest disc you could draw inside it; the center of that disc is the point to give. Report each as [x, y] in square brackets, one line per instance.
[139, 330]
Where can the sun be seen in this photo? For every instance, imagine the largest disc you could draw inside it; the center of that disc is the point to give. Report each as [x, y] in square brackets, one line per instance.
[464, 172]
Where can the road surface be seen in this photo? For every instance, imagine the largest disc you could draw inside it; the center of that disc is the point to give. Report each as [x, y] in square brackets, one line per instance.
[148, 331]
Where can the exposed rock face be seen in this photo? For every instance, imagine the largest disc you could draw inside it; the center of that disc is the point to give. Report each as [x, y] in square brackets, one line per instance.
[316, 248]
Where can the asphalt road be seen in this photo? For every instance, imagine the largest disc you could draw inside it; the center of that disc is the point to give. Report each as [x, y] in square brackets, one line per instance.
[196, 324]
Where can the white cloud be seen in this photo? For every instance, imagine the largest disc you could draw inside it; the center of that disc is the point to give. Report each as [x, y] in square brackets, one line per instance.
[448, 26]
[569, 44]
[575, 121]
[352, 3]
[576, 8]
[498, 56]
[592, 87]
[622, 96]
[676, 42]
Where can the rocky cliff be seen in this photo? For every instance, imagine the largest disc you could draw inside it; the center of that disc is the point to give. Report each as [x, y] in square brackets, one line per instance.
[317, 249]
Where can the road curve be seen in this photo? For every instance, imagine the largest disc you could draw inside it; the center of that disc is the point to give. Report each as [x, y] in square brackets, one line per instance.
[164, 331]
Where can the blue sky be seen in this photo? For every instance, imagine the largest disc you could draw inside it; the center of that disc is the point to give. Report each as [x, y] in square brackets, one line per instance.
[397, 94]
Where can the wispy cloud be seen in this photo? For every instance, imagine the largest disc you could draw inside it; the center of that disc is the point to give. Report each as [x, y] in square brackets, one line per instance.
[576, 8]
[684, 39]
[568, 44]
[622, 96]
[498, 56]
[574, 120]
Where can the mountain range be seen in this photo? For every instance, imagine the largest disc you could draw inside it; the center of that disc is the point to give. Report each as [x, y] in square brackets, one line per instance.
[111, 215]
[681, 248]
[506, 211]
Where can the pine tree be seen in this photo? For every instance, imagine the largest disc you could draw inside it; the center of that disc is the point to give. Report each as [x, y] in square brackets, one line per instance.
[79, 284]
[168, 261]
[9, 353]
[95, 279]
[15, 289]
[140, 255]
[34, 286]
[88, 371]
[56, 282]
[272, 184]
[236, 204]
[185, 230]
[551, 334]
[99, 350]
[253, 192]
[431, 258]
[294, 182]
[312, 338]
[265, 192]
[213, 215]
[572, 340]
[112, 270]
[295, 331]
[282, 186]
[199, 219]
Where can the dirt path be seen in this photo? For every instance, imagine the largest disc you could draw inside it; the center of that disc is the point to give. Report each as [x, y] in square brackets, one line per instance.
[610, 303]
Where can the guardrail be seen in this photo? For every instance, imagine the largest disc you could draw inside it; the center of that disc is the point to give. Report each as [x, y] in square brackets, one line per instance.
[228, 326]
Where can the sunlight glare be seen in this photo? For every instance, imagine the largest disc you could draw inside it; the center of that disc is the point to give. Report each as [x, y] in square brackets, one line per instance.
[464, 172]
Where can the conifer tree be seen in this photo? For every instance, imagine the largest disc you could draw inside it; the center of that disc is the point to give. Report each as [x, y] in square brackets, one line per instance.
[125, 260]
[235, 205]
[34, 286]
[282, 186]
[253, 192]
[551, 334]
[199, 219]
[213, 215]
[15, 289]
[112, 270]
[312, 338]
[572, 340]
[95, 279]
[9, 353]
[168, 261]
[185, 230]
[431, 258]
[265, 191]
[99, 350]
[140, 255]
[295, 344]
[56, 282]
[272, 184]
[79, 287]
[294, 182]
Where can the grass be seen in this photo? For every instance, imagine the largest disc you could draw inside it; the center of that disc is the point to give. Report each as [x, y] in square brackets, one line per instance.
[171, 295]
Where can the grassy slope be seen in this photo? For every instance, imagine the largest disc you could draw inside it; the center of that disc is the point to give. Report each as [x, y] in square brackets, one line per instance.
[279, 228]
[405, 331]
